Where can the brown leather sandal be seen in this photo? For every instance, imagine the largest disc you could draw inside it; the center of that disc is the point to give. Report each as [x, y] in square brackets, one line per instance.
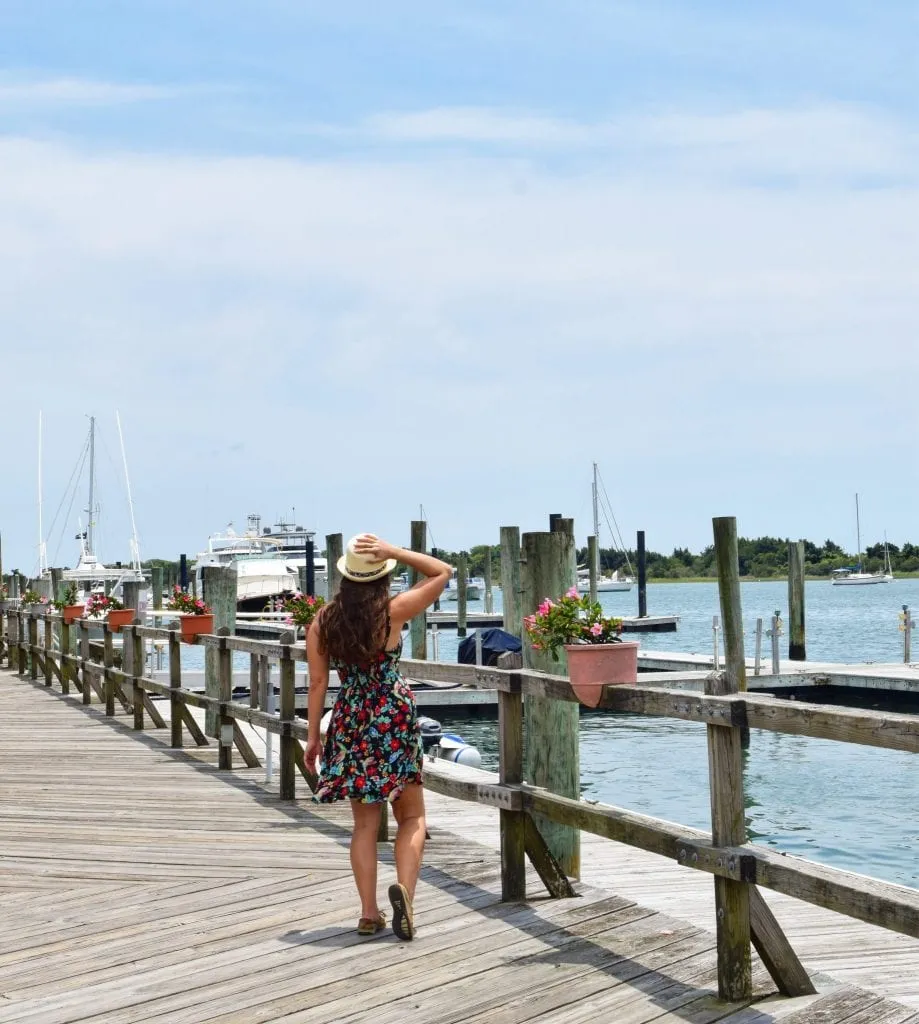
[403, 918]
[371, 925]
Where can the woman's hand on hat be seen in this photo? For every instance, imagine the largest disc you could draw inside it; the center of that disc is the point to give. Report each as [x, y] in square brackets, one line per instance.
[371, 546]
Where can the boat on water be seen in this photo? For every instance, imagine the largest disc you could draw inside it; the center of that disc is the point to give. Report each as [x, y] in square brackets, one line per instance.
[267, 561]
[475, 587]
[90, 575]
[855, 575]
[605, 584]
[611, 582]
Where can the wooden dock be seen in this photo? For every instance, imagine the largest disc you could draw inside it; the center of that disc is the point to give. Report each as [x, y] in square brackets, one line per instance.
[139, 883]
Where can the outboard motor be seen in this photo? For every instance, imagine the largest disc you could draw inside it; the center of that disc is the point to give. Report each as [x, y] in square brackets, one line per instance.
[431, 732]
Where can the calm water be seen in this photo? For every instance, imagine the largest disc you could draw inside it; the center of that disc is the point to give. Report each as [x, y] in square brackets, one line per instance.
[849, 806]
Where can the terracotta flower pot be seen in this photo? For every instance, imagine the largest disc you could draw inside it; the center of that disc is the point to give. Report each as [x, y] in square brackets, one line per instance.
[119, 617]
[193, 625]
[593, 666]
[72, 612]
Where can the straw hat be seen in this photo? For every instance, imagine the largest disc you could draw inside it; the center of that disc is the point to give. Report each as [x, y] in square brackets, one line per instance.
[361, 568]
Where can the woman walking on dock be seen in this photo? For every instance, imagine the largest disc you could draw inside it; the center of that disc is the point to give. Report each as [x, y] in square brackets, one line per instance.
[373, 750]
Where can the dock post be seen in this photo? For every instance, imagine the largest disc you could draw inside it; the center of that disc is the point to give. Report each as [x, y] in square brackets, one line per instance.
[418, 627]
[65, 657]
[775, 633]
[796, 644]
[593, 565]
[48, 652]
[33, 644]
[907, 627]
[218, 584]
[183, 572]
[156, 585]
[552, 752]
[489, 600]
[108, 661]
[510, 773]
[759, 647]
[57, 584]
[175, 684]
[310, 590]
[462, 575]
[288, 746]
[84, 662]
[225, 688]
[510, 579]
[725, 769]
[642, 557]
[716, 646]
[334, 548]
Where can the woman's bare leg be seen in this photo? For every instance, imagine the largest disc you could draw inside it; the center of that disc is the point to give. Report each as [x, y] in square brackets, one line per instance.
[409, 848]
[364, 855]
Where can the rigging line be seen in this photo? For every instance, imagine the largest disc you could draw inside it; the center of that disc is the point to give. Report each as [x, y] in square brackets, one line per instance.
[433, 544]
[618, 533]
[73, 498]
[81, 461]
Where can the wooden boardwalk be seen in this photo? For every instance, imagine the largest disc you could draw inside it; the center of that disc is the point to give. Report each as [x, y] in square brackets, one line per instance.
[138, 883]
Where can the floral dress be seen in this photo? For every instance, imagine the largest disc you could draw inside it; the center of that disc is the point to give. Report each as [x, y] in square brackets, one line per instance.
[373, 742]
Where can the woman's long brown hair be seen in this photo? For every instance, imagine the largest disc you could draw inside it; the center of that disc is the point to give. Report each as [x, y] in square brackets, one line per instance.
[352, 627]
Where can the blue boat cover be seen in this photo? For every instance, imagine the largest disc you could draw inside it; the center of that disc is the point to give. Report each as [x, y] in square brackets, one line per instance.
[494, 642]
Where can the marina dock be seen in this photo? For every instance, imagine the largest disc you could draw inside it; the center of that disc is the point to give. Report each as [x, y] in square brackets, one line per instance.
[143, 883]
[153, 879]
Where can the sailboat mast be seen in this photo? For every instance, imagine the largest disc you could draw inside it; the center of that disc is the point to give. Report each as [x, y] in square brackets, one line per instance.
[92, 481]
[596, 513]
[858, 534]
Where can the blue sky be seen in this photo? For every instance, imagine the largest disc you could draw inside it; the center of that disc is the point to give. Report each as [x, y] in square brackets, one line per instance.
[357, 259]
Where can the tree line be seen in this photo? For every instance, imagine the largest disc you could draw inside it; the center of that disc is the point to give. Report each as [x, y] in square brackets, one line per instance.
[759, 557]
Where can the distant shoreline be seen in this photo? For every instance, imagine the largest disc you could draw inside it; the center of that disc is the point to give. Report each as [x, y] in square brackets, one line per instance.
[761, 579]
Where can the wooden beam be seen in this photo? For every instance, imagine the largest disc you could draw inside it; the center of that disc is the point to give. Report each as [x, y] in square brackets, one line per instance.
[547, 867]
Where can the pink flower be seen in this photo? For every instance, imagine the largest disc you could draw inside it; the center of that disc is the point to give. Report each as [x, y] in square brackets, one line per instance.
[596, 629]
[571, 592]
[543, 609]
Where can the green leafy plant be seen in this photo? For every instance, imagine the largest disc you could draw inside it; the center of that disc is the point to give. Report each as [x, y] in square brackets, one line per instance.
[33, 597]
[572, 619]
[101, 604]
[301, 608]
[183, 602]
[68, 598]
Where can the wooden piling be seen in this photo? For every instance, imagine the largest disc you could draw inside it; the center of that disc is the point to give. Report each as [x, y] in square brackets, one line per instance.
[510, 772]
[489, 598]
[225, 693]
[219, 586]
[462, 576]
[510, 579]
[156, 585]
[796, 638]
[310, 589]
[418, 626]
[725, 766]
[552, 754]
[288, 745]
[334, 548]
[642, 557]
[57, 584]
[175, 684]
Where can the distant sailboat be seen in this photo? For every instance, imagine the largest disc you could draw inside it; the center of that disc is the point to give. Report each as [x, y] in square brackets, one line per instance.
[605, 584]
[855, 576]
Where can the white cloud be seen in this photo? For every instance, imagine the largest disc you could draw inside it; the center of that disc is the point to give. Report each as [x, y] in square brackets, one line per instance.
[833, 141]
[31, 93]
[389, 328]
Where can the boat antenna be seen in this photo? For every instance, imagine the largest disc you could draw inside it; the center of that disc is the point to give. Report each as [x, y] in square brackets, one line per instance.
[858, 533]
[135, 549]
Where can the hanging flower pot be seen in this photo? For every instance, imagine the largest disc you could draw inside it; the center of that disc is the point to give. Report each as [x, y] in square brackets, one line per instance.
[119, 617]
[593, 666]
[72, 612]
[193, 625]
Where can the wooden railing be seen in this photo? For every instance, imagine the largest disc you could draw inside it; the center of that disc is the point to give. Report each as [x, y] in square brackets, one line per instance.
[37, 644]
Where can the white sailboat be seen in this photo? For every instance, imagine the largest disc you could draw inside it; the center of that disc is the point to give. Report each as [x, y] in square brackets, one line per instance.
[89, 573]
[854, 575]
[605, 584]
